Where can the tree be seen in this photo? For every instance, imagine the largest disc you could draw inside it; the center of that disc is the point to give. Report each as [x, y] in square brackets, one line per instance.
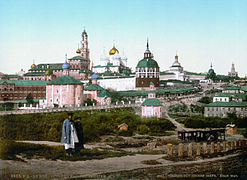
[29, 99]
[206, 100]
[90, 102]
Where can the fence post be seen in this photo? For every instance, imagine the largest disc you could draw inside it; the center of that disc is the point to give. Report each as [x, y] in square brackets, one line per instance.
[212, 147]
[205, 148]
[218, 147]
[224, 146]
[190, 150]
[169, 149]
[180, 149]
[198, 149]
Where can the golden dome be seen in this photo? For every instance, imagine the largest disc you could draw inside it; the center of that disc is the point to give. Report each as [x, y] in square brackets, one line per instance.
[33, 65]
[48, 72]
[78, 51]
[113, 50]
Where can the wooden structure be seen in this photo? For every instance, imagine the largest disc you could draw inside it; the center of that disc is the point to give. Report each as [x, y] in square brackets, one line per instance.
[231, 129]
[203, 135]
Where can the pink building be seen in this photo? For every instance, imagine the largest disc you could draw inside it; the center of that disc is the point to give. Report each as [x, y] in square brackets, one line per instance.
[95, 91]
[151, 107]
[64, 91]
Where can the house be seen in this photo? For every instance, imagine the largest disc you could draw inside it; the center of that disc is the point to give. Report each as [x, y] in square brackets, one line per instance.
[231, 129]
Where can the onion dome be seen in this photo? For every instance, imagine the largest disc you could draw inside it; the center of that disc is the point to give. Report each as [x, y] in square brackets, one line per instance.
[147, 63]
[113, 50]
[78, 51]
[94, 76]
[211, 70]
[65, 64]
[33, 65]
[48, 72]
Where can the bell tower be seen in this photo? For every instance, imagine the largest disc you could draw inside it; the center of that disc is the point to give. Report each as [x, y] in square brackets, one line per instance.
[84, 47]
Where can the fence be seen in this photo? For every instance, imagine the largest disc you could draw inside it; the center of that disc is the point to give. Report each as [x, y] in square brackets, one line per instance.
[204, 148]
[82, 108]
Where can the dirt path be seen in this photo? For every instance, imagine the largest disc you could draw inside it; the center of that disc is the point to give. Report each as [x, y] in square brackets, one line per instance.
[46, 169]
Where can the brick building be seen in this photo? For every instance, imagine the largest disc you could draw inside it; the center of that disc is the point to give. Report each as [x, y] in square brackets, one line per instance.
[12, 90]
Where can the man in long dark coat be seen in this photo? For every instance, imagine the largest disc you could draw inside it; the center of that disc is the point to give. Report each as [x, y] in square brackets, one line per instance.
[79, 130]
[69, 135]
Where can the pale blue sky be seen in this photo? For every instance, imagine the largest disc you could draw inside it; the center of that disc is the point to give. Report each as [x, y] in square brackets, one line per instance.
[202, 31]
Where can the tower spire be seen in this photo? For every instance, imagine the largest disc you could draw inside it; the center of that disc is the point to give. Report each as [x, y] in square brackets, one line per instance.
[147, 44]
[211, 66]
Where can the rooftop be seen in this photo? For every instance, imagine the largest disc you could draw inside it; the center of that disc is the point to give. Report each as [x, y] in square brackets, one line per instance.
[227, 104]
[151, 102]
[25, 82]
[94, 87]
[65, 80]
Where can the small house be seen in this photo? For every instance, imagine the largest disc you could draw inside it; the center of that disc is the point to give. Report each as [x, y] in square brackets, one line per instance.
[231, 129]
[123, 127]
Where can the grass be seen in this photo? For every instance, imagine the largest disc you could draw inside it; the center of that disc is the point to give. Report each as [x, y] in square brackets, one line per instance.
[11, 150]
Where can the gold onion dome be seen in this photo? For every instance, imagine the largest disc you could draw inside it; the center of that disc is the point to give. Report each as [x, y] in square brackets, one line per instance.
[78, 51]
[48, 72]
[113, 50]
[33, 65]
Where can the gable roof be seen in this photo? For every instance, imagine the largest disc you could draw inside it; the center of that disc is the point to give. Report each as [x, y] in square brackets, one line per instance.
[227, 104]
[25, 82]
[94, 87]
[65, 80]
[103, 93]
[242, 96]
[78, 58]
[151, 102]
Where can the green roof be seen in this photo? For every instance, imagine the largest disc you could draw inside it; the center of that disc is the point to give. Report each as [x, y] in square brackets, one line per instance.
[167, 73]
[157, 91]
[242, 96]
[94, 87]
[151, 102]
[104, 93]
[227, 104]
[65, 80]
[34, 74]
[210, 71]
[232, 88]
[147, 62]
[25, 101]
[193, 73]
[243, 88]
[25, 82]
[10, 76]
[175, 81]
[78, 58]
[55, 66]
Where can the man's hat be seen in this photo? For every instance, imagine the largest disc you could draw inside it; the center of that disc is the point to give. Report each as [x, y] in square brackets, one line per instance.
[78, 117]
[70, 114]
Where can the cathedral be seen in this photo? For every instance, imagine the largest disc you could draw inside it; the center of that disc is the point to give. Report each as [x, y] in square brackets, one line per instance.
[114, 63]
[79, 65]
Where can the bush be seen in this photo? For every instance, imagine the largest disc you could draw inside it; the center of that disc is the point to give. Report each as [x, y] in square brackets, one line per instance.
[43, 127]
[206, 100]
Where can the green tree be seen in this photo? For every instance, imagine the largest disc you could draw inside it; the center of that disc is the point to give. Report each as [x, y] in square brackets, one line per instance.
[29, 99]
[90, 102]
[206, 100]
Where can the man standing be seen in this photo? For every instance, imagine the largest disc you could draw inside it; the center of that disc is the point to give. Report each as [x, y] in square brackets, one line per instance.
[69, 135]
[79, 130]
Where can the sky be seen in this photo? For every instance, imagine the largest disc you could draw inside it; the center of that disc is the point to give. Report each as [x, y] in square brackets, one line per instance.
[200, 31]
